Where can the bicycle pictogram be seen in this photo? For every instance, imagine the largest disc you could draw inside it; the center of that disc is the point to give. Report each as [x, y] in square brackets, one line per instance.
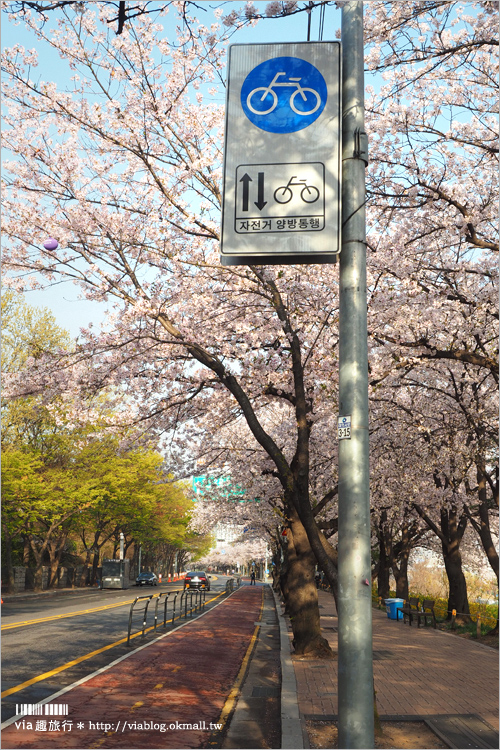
[284, 193]
[310, 97]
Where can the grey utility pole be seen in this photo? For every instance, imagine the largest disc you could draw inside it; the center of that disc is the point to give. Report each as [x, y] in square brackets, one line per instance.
[356, 719]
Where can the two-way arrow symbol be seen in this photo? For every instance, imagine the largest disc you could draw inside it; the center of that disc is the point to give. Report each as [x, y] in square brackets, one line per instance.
[260, 202]
[246, 180]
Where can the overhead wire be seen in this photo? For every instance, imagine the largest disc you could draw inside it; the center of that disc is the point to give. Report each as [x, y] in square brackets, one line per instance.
[309, 15]
[321, 21]
[321, 25]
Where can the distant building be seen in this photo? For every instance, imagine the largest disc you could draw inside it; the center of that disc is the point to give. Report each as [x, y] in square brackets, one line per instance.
[225, 534]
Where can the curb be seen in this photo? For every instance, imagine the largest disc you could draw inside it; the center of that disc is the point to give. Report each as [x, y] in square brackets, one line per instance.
[292, 737]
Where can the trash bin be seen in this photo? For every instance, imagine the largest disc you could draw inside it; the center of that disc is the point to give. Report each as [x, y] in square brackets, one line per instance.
[387, 606]
[393, 607]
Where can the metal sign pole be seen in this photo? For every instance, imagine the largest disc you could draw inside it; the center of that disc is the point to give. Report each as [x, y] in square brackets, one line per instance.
[356, 718]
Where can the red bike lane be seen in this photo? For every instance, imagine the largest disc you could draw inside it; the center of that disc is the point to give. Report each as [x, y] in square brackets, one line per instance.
[147, 699]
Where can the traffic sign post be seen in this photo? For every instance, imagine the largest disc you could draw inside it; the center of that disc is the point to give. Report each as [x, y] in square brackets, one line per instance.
[281, 198]
[355, 688]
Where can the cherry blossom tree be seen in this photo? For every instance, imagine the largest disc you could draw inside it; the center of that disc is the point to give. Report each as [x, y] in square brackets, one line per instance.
[434, 243]
[133, 210]
[123, 166]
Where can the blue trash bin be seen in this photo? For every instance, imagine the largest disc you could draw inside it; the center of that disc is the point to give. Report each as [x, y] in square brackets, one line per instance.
[393, 607]
[387, 606]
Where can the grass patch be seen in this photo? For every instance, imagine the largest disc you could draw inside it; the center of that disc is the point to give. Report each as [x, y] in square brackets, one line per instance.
[487, 612]
[470, 628]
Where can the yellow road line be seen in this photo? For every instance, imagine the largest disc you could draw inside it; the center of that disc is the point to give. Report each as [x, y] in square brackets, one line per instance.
[13, 625]
[73, 663]
[231, 698]
[68, 664]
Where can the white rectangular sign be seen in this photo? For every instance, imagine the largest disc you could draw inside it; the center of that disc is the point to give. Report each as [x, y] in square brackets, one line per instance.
[281, 196]
[344, 428]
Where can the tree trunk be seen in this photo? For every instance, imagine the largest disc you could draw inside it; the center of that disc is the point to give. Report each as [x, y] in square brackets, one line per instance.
[457, 599]
[458, 587]
[383, 576]
[288, 551]
[452, 536]
[56, 550]
[181, 560]
[384, 565]
[325, 555]
[11, 585]
[26, 551]
[53, 565]
[88, 555]
[86, 567]
[277, 566]
[38, 554]
[400, 553]
[95, 565]
[450, 532]
[332, 568]
[302, 595]
[401, 577]
[482, 526]
[486, 538]
[383, 572]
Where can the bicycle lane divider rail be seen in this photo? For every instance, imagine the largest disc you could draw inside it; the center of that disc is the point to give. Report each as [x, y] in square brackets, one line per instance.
[145, 600]
[78, 660]
[199, 603]
[182, 685]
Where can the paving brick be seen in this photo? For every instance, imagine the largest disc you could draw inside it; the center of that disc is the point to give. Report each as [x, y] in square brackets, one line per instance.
[427, 672]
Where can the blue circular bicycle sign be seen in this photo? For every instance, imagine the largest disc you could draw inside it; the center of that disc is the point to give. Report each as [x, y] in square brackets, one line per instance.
[283, 95]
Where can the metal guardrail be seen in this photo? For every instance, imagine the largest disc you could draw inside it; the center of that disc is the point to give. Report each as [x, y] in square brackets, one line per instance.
[232, 584]
[185, 603]
[146, 600]
[157, 603]
[186, 600]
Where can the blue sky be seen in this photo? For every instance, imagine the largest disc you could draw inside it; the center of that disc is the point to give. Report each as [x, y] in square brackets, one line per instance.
[71, 312]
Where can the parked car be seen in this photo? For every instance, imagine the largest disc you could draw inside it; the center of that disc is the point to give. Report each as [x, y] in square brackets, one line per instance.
[197, 580]
[146, 579]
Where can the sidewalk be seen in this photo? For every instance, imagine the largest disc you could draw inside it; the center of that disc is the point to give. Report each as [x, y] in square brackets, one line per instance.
[418, 672]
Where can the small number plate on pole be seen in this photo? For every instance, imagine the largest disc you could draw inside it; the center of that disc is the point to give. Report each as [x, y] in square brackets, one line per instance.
[344, 428]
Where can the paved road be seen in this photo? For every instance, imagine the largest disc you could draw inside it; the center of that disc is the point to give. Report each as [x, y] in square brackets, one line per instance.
[41, 635]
